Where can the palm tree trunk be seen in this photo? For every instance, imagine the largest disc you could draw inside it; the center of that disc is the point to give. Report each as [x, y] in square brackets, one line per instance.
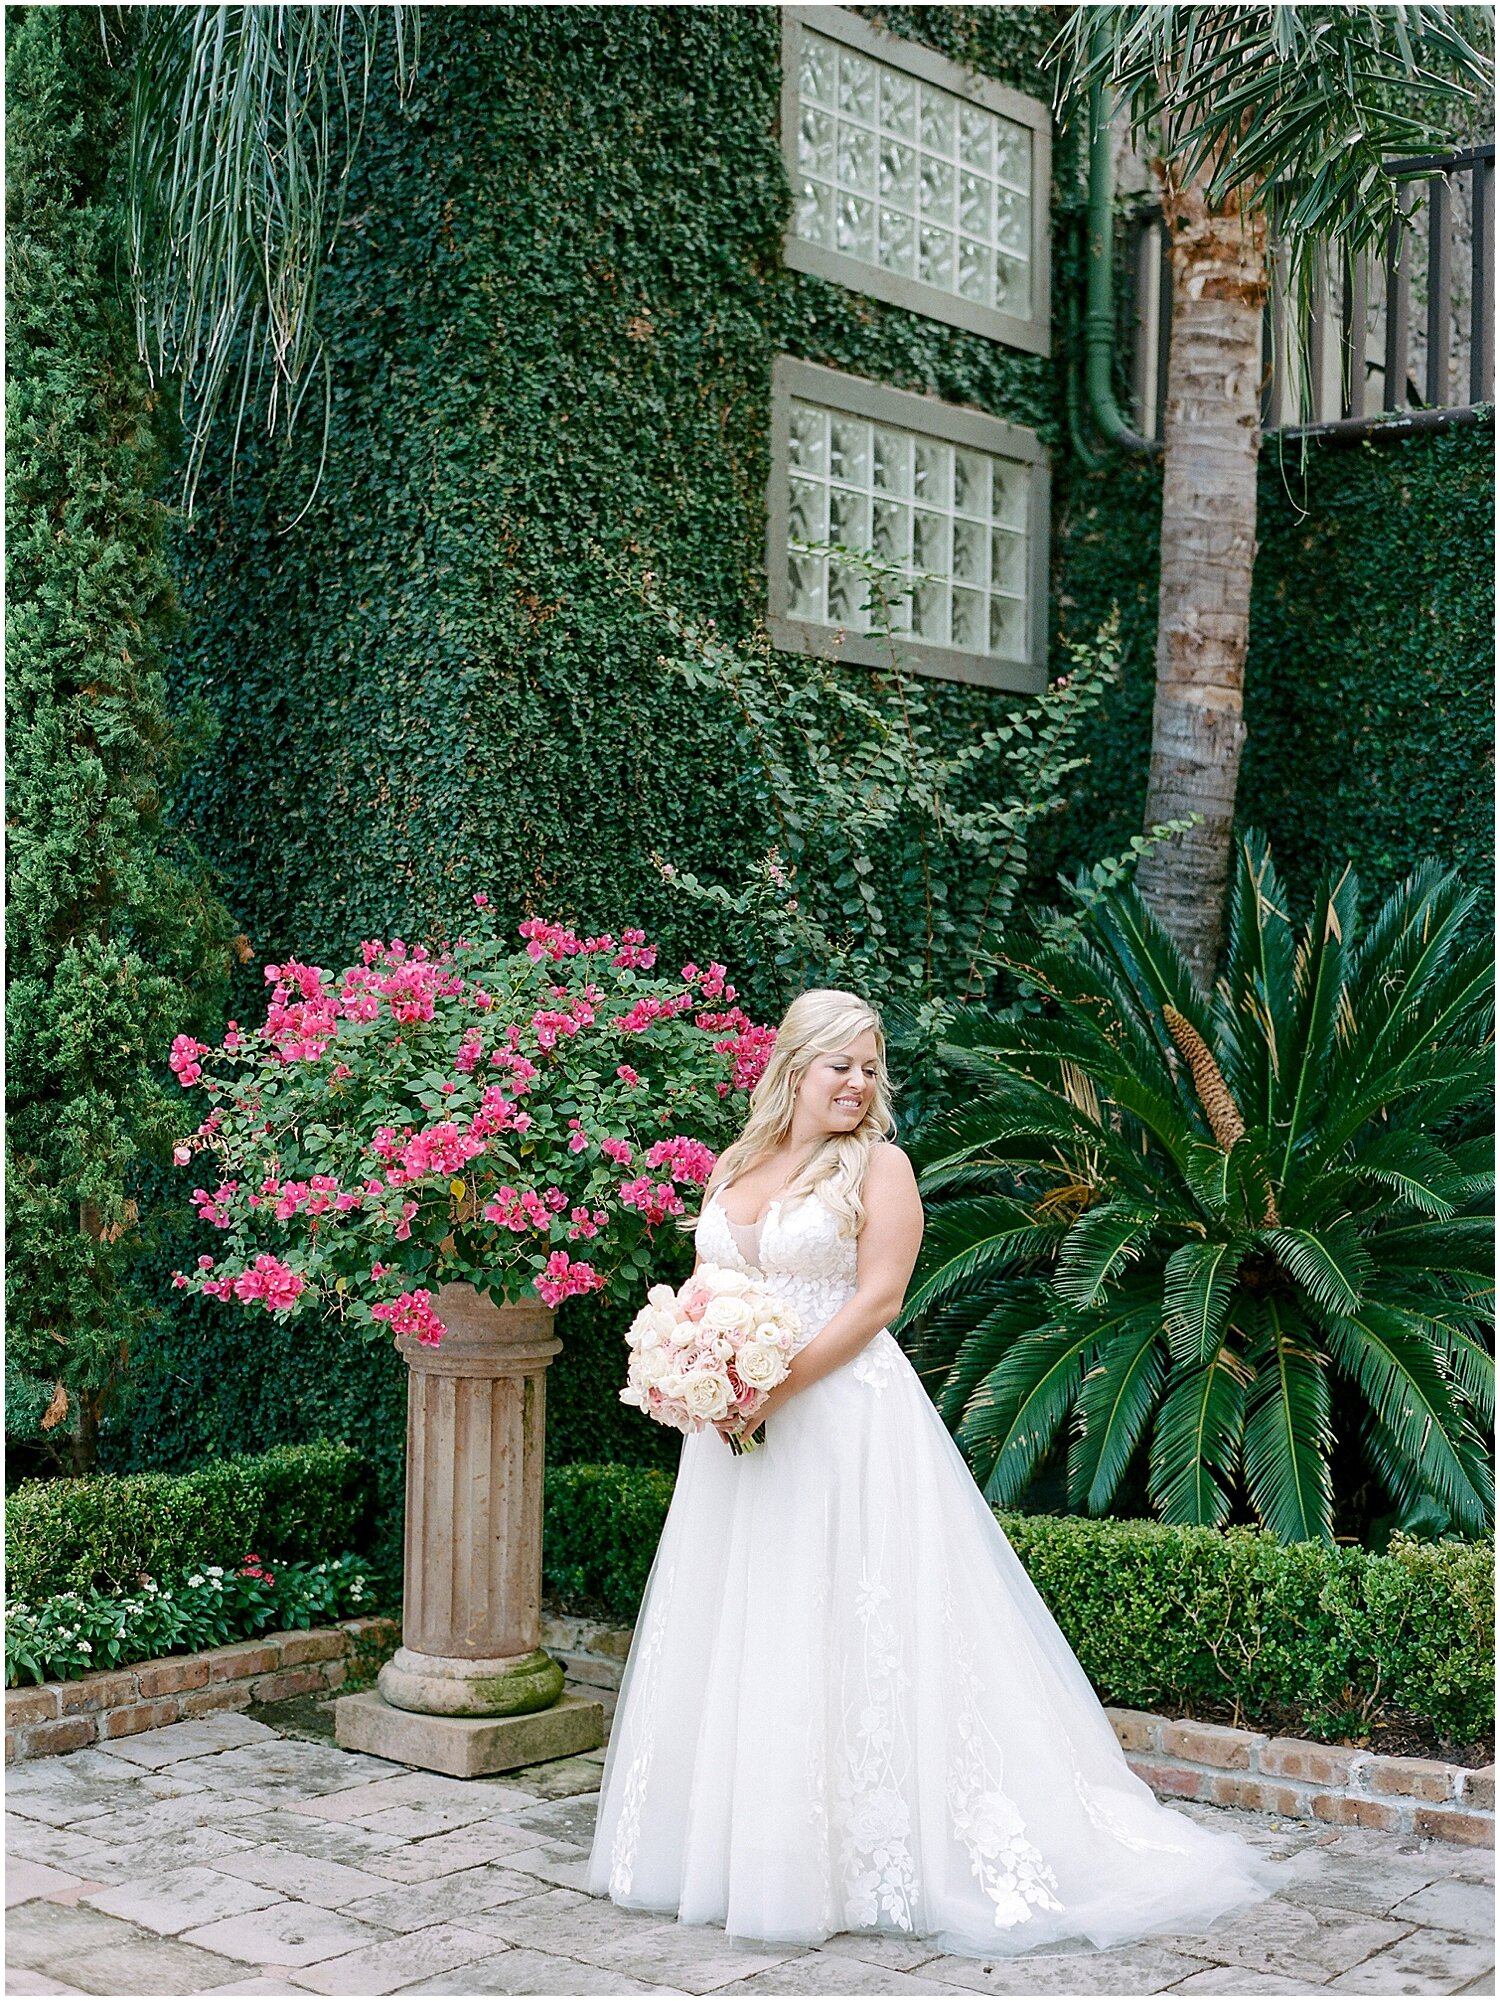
[1212, 437]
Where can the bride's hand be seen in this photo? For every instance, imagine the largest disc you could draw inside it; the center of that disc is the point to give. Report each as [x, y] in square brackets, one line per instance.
[737, 1425]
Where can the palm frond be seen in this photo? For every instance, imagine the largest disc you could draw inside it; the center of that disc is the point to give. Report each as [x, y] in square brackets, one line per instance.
[1120, 1389]
[986, 1344]
[1383, 1351]
[1098, 1247]
[244, 124]
[1199, 1289]
[1015, 1413]
[1196, 1442]
[1304, 108]
[1331, 1265]
[1254, 1000]
[1321, 964]
[1288, 1432]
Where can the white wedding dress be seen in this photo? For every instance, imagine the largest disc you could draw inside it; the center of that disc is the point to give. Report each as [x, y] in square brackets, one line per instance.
[846, 1706]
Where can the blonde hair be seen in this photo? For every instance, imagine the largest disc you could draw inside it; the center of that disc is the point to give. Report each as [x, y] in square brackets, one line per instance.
[817, 1022]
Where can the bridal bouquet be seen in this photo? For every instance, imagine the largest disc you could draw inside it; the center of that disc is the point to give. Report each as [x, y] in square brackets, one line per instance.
[720, 1343]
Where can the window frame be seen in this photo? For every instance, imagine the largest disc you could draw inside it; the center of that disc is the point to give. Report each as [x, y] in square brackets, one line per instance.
[952, 423]
[1033, 334]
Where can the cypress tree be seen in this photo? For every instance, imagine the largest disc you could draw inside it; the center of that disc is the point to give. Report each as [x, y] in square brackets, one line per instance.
[115, 939]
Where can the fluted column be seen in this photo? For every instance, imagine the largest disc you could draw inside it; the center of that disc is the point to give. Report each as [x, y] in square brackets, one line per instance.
[475, 1432]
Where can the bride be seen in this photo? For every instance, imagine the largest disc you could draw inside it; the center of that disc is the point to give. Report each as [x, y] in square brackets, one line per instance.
[846, 1706]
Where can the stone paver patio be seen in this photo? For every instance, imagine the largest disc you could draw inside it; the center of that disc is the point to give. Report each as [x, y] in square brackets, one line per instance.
[225, 1856]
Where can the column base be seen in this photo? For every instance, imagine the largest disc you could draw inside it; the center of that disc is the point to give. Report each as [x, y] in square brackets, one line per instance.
[442, 1685]
[467, 1747]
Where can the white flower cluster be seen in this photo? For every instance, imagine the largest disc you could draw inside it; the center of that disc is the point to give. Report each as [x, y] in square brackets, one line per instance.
[719, 1344]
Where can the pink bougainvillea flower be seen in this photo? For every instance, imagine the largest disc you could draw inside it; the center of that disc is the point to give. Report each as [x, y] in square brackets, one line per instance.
[183, 1059]
[655, 1203]
[561, 1278]
[412, 1314]
[686, 1159]
[275, 1285]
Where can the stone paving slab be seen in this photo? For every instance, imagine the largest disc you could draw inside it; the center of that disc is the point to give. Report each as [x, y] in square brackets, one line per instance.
[284, 1771]
[238, 1860]
[147, 1965]
[176, 1900]
[521, 1971]
[25, 1880]
[818, 1972]
[177, 1741]
[290, 1934]
[1423, 1962]
[456, 1899]
[415, 1956]
[1147, 1968]
[443, 1854]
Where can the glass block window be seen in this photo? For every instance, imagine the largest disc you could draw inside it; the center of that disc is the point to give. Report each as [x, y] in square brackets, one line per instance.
[954, 501]
[914, 180]
[952, 521]
[906, 175]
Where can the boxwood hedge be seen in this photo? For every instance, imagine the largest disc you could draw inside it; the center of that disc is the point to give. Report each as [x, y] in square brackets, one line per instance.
[1162, 1616]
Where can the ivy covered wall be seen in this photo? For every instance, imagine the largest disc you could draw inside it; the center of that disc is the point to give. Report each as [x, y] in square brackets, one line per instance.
[552, 316]
[1369, 700]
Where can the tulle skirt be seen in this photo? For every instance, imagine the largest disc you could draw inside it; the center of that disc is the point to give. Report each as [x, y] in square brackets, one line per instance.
[846, 1708]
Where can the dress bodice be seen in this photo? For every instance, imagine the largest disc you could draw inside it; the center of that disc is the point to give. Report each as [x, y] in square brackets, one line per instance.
[801, 1252]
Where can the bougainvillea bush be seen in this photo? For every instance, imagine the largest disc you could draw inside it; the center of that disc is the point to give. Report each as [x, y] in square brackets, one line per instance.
[521, 1118]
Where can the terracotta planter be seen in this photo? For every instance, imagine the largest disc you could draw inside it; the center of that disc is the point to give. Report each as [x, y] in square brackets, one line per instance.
[475, 1431]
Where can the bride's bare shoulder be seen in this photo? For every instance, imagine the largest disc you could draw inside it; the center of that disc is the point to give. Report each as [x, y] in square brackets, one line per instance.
[889, 1171]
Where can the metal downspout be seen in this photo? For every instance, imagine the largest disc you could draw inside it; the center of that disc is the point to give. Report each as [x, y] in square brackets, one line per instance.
[1099, 313]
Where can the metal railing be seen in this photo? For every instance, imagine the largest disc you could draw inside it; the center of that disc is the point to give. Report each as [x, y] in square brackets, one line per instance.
[1394, 344]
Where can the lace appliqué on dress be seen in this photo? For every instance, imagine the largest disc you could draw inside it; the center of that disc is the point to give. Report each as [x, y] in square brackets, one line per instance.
[1011, 1870]
[875, 1363]
[628, 1827]
[875, 1859]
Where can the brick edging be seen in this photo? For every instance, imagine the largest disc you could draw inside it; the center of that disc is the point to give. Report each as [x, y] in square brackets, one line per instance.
[58, 1716]
[1307, 1781]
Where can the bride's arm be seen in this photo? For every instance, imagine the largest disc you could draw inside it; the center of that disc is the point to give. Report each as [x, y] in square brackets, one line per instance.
[888, 1246]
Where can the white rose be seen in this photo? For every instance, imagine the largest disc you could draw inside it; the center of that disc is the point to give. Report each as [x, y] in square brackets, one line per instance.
[671, 1384]
[759, 1365]
[683, 1334]
[706, 1393]
[773, 1334]
[664, 1300]
[727, 1314]
[650, 1366]
[727, 1284]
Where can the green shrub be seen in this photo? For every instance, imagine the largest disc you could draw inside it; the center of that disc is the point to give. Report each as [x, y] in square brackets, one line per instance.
[78, 1632]
[600, 1529]
[1159, 1616]
[108, 1531]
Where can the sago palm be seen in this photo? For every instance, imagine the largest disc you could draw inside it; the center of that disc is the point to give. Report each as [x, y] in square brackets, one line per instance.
[1177, 1223]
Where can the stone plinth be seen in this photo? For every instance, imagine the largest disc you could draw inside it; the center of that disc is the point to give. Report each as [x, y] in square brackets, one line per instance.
[471, 1626]
[468, 1747]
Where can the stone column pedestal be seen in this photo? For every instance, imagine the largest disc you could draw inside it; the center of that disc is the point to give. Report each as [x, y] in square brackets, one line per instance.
[470, 1688]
